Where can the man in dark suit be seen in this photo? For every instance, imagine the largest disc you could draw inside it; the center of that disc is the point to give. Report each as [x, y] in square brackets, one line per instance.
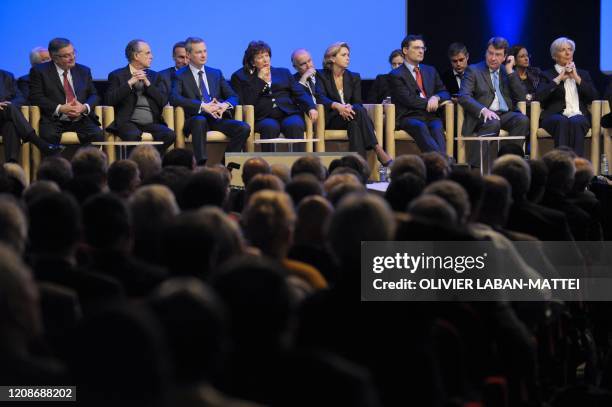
[65, 93]
[135, 93]
[417, 91]
[606, 120]
[37, 56]
[13, 126]
[306, 74]
[207, 99]
[458, 57]
[489, 93]
[181, 59]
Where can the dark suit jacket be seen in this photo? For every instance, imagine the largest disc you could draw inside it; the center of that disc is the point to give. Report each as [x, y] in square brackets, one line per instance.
[405, 92]
[23, 83]
[297, 78]
[379, 90]
[606, 120]
[288, 94]
[477, 92]
[167, 76]
[579, 221]
[123, 98]
[47, 91]
[450, 82]
[186, 93]
[552, 96]
[327, 93]
[539, 221]
[9, 91]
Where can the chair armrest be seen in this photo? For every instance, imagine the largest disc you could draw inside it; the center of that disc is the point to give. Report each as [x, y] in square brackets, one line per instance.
[248, 112]
[449, 118]
[309, 132]
[168, 116]
[320, 129]
[389, 111]
[376, 114]
[522, 107]
[534, 124]
[596, 109]
[179, 125]
[460, 142]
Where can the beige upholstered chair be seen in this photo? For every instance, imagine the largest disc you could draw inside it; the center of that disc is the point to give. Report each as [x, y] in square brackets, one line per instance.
[392, 134]
[25, 147]
[211, 136]
[536, 132]
[375, 112]
[109, 117]
[461, 144]
[607, 133]
[68, 137]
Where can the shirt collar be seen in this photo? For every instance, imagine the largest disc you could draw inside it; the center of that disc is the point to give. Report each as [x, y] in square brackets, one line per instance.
[196, 70]
[410, 66]
[559, 68]
[60, 71]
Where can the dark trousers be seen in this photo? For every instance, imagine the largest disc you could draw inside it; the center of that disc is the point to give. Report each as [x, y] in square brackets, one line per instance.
[199, 125]
[515, 123]
[568, 131]
[292, 126]
[360, 129]
[130, 131]
[86, 129]
[428, 133]
[13, 127]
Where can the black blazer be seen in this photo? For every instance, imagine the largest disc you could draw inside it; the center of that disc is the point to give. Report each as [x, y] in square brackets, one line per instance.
[552, 96]
[327, 93]
[47, 91]
[167, 76]
[9, 91]
[23, 83]
[405, 92]
[288, 94]
[477, 92]
[450, 82]
[379, 90]
[123, 98]
[186, 93]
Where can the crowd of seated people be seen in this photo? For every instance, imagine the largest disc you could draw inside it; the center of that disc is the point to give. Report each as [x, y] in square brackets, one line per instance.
[152, 282]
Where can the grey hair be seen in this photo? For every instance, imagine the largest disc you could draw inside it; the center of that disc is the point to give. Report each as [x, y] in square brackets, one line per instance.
[132, 49]
[558, 43]
[35, 55]
[190, 41]
[516, 171]
[331, 52]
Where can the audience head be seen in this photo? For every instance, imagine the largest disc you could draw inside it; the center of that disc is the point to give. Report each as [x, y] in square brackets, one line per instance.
[561, 171]
[16, 178]
[496, 202]
[123, 177]
[252, 167]
[302, 186]
[56, 169]
[357, 163]
[310, 164]
[511, 148]
[436, 166]
[562, 50]
[473, 185]
[62, 53]
[413, 48]
[58, 233]
[38, 189]
[197, 51]
[495, 55]
[204, 187]
[454, 195]
[269, 222]
[261, 182]
[138, 54]
[409, 163]
[433, 209]
[173, 177]
[402, 190]
[256, 56]
[180, 157]
[339, 178]
[38, 55]
[148, 160]
[301, 60]
[107, 223]
[312, 214]
[517, 172]
[584, 174]
[282, 171]
[458, 56]
[358, 218]
[92, 163]
[521, 56]
[539, 178]
[396, 58]
[337, 55]
[13, 224]
[179, 55]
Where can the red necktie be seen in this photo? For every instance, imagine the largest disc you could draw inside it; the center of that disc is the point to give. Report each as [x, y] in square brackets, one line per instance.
[68, 89]
[419, 80]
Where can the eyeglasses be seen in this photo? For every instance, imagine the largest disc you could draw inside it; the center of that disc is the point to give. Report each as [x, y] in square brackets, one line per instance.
[66, 56]
[420, 48]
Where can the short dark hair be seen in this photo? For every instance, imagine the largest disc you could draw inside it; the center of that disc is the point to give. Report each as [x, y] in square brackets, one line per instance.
[204, 187]
[310, 164]
[132, 49]
[457, 48]
[395, 53]
[106, 219]
[180, 44]
[410, 38]
[121, 173]
[515, 49]
[189, 43]
[180, 157]
[56, 169]
[499, 43]
[57, 233]
[56, 44]
[254, 48]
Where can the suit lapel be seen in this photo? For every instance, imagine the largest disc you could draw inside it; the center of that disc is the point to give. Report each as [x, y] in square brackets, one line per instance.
[487, 77]
[346, 84]
[211, 83]
[192, 82]
[409, 78]
[56, 79]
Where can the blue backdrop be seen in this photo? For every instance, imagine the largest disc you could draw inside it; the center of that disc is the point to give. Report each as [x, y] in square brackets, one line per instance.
[100, 29]
[605, 58]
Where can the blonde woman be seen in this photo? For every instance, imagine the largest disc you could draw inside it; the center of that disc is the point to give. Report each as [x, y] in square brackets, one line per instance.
[339, 90]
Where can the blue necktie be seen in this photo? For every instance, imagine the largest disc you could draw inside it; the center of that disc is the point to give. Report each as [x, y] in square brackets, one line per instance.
[203, 90]
[503, 106]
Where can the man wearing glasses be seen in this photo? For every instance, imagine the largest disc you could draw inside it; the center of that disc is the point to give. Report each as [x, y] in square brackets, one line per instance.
[65, 93]
[418, 91]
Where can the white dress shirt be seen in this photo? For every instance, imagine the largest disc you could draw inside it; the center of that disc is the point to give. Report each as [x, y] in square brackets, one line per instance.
[60, 72]
[572, 102]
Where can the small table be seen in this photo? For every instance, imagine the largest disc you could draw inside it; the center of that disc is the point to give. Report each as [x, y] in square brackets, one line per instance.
[280, 140]
[488, 138]
[123, 145]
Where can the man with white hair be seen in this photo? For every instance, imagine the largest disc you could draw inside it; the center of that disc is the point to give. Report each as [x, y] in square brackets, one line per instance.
[38, 55]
